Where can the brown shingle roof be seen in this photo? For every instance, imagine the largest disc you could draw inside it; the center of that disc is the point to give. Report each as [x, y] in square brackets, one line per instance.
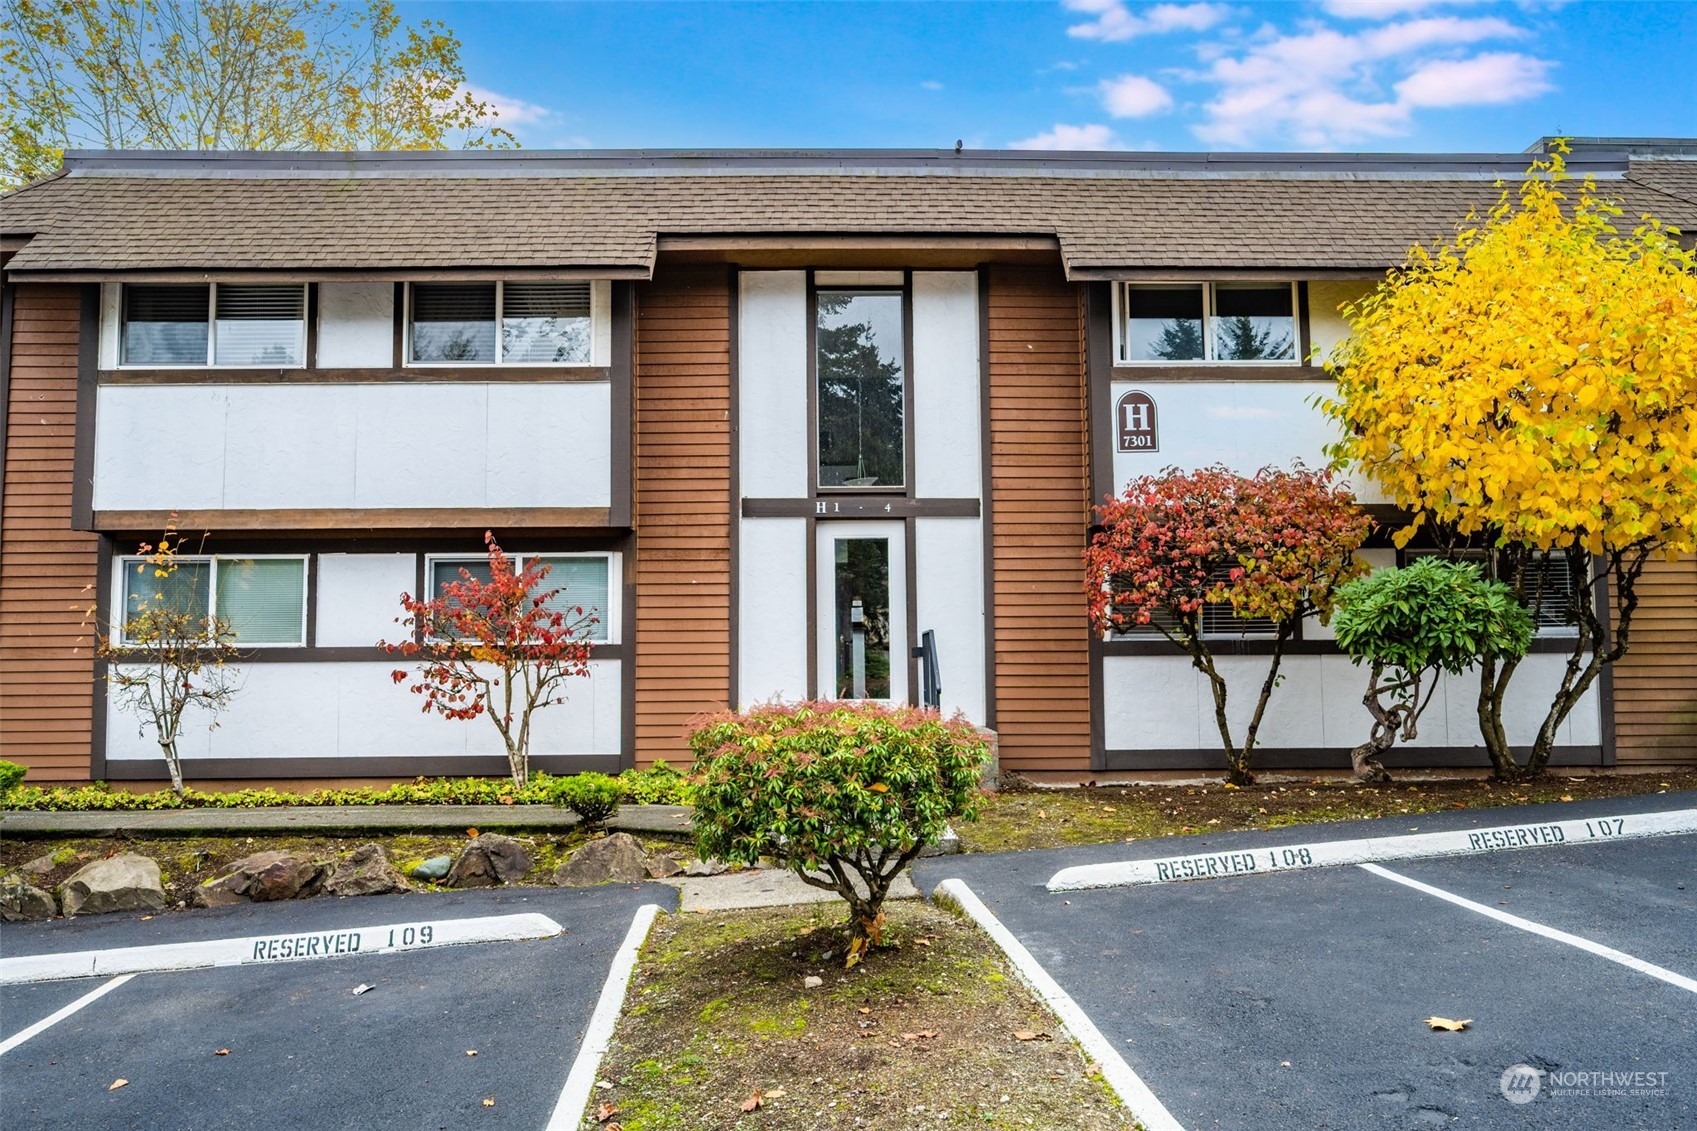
[1190, 217]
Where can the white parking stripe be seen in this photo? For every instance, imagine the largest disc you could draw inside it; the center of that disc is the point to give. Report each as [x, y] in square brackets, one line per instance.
[574, 1097]
[1587, 945]
[1125, 1082]
[1327, 854]
[53, 1019]
[258, 949]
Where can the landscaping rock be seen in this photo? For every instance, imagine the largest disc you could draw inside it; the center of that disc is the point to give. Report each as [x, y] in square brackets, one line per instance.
[487, 861]
[366, 872]
[663, 867]
[40, 866]
[812, 982]
[264, 877]
[20, 900]
[118, 883]
[706, 868]
[432, 869]
[612, 859]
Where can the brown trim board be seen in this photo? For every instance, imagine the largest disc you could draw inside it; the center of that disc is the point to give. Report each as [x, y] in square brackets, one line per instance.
[861, 506]
[8, 297]
[622, 421]
[358, 518]
[251, 769]
[733, 316]
[1099, 377]
[88, 364]
[377, 375]
[987, 525]
[1324, 758]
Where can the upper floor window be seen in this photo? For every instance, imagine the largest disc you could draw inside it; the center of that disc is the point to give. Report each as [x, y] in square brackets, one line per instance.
[500, 324]
[860, 358]
[580, 581]
[1549, 588]
[234, 324]
[1208, 322]
[262, 599]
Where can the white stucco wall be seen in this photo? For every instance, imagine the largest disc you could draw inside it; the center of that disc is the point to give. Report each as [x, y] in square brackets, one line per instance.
[772, 424]
[947, 430]
[194, 447]
[772, 638]
[355, 710]
[359, 597]
[949, 558]
[1326, 325]
[1161, 702]
[356, 325]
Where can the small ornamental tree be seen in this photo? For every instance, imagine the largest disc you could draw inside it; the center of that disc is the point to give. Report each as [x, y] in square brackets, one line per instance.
[168, 651]
[1431, 617]
[1530, 384]
[842, 794]
[1273, 545]
[499, 648]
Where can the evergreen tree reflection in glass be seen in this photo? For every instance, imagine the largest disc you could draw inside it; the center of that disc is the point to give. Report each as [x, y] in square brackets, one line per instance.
[859, 359]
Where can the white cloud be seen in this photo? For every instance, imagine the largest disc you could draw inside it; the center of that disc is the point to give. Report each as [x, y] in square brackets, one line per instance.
[1384, 9]
[1133, 96]
[931, 84]
[1064, 137]
[510, 111]
[1114, 22]
[1323, 87]
[1484, 80]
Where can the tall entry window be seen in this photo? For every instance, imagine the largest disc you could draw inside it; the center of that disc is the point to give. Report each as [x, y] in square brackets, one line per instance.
[863, 618]
[860, 357]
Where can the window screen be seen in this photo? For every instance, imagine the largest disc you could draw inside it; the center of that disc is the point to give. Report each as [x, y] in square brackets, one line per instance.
[583, 583]
[545, 323]
[453, 322]
[263, 599]
[165, 325]
[260, 325]
[186, 589]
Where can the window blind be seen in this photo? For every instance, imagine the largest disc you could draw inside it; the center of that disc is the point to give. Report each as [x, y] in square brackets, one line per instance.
[582, 583]
[260, 325]
[263, 600]
[545, 323]
[165, 325]
[185, 589]
[1549, 588]
[453, 322]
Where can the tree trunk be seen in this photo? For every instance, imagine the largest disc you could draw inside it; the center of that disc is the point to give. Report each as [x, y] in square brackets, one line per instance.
[1239, 767]
[168, 747]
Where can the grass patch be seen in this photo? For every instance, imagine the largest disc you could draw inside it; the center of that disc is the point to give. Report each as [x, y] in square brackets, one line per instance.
[1019, 819]
[920, 1035]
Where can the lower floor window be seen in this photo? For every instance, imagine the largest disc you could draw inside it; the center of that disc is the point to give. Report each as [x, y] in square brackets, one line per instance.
[262, 599]
[583, 581]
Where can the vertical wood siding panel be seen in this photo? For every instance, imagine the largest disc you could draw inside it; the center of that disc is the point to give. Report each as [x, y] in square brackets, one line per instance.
[1040, 503]
[47, 570]
[1655, 683]
[681, 500]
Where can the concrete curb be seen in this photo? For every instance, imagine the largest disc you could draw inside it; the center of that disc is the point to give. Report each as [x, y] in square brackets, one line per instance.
[674, 820]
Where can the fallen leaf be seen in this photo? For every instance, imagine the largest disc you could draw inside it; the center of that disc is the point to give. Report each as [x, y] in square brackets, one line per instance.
[866, 1009]
[922, 1035]
[471, 832]
[1284, 1064]
[1447, 1025]
[488, 1101]
[751, 1102]
[471, 1052]
[222, 1052]
[878, 787]
[1567, 797]
[1028, 1035]
[775, 1094]
[855, 950]
[605, 1111]
[362, 988]
[506, 799]
[145, 918]
[116, 1084]
[923, 942]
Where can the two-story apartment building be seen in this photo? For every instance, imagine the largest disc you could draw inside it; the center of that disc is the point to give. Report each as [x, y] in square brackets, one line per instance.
[773, 415]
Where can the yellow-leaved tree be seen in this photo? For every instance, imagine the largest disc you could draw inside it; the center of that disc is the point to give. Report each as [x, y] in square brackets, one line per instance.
[1531, 386]
[227, 74]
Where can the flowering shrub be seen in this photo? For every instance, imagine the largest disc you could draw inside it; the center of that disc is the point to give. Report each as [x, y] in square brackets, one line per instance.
[494, 647]
[843, 794]
[1272, 545]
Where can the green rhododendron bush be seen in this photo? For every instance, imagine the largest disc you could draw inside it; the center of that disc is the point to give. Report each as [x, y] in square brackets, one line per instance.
[843, 794]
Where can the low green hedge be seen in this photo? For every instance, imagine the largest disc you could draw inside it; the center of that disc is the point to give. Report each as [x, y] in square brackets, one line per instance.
[657, 785]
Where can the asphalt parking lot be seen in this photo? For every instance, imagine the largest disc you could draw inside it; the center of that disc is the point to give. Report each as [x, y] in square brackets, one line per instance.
[303, 1049]
[1296, 998]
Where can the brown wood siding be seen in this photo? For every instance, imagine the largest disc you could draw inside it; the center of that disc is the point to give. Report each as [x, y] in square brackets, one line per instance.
[1040, 501]
[681, 502]
[47, 570]
[1655, 683]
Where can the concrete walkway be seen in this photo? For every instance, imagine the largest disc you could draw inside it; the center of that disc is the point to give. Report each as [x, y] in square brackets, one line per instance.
[333, 819]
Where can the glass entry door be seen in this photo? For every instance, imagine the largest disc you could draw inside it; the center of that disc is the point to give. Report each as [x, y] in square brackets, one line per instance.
[862, 611]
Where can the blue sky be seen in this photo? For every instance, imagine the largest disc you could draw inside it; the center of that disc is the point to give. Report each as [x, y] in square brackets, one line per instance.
[1426, 75]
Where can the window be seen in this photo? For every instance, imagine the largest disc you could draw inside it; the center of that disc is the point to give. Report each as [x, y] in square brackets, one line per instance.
[861, 364]
[234, 324]
[1218, 620]
[500, 324]
[586, 581]
[263, 599]
[1208, 322]
[1550, 589]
